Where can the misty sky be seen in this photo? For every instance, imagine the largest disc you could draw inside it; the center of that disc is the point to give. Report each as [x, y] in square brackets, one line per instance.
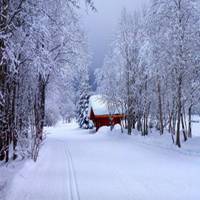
[101, 26]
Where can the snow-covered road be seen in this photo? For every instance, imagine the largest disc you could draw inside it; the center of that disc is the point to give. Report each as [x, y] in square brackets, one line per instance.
[76, 165]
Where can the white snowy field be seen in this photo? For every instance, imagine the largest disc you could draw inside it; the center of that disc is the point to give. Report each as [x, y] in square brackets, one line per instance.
[77, 164]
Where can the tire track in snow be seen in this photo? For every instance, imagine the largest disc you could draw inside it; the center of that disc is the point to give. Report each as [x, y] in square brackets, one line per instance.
[73, 185]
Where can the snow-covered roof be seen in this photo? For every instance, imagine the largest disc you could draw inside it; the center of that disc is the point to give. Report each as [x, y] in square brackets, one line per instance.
[100, 106]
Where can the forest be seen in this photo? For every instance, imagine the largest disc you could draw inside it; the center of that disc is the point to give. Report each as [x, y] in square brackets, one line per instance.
[43, 56]
[141, 142]
[151, 71]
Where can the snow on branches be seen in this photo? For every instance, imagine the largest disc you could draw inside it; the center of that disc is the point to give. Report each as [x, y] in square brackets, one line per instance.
[38, 39]
[152, 69]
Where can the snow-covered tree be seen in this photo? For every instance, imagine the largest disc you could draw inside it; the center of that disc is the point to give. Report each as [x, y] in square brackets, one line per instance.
[174, 29]
[37, 38]
[81, 82]
[153, 67]
[83, 105]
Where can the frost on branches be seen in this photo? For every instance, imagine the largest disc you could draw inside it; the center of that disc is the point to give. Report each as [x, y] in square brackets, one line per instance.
[38, 41]
[153, 68]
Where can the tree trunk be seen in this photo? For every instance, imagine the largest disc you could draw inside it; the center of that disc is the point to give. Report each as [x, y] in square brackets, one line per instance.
[133, 121]
[174, 123]
[161, 127]
[4, 135]
[13, 128]
[178, 142]
[190, 122]
[40, 107]
[129, 125]
[139, 123]
[129, 114]
[183, 128]
[170, 122]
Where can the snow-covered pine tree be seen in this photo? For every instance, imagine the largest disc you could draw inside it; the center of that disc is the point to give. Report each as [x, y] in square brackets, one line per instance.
[83, 98]
[83, 105]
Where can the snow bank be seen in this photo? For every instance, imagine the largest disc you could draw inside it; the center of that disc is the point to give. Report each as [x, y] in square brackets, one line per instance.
[7, 173]
[155, 140]
[107, 130]
[104, 130]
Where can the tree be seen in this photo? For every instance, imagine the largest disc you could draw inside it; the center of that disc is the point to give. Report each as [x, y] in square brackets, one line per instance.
[175, 25]
[153, 67]
[83, 105]
[37, 39]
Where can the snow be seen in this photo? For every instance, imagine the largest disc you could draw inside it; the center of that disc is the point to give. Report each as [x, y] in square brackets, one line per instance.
[7, 171]
[100, 106]
[77, 164]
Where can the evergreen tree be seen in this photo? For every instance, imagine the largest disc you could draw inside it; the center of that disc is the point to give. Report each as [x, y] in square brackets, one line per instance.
[83, 105]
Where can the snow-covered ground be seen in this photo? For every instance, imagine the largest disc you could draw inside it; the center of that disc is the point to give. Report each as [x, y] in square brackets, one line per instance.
[7, 172]
[77, 164]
